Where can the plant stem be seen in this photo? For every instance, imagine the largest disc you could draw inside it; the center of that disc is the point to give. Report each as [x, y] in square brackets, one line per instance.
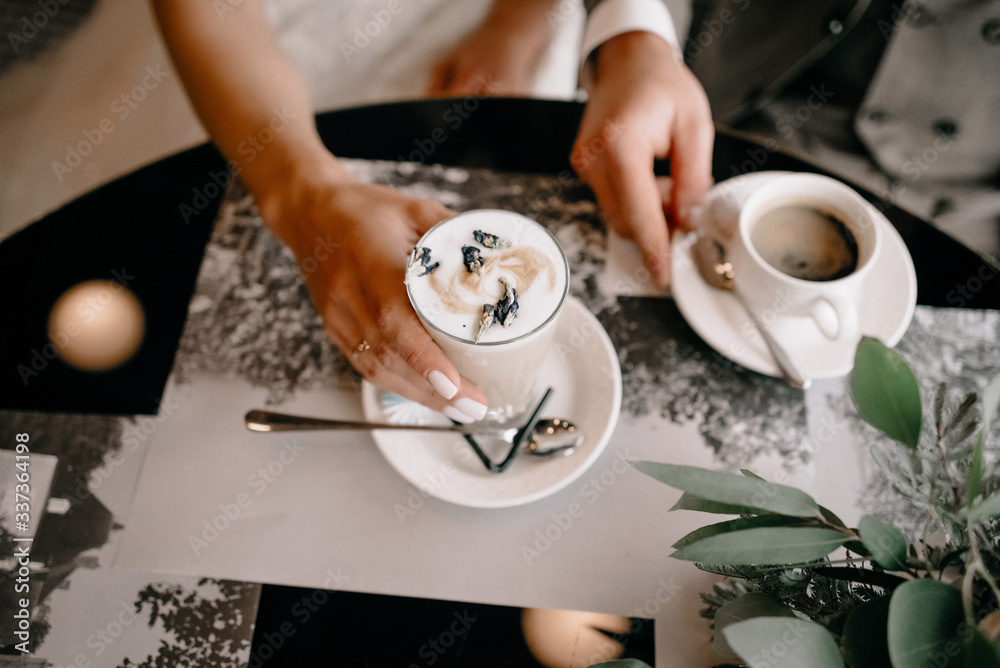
[972, 568]
[886, 581]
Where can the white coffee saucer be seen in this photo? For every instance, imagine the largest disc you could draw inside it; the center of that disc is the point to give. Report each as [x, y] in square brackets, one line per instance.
[583, 370]
[719, 319]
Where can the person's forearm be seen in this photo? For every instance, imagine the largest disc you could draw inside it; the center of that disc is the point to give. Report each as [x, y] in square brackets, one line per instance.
[528, 17]
[529, 9]
[249, 95]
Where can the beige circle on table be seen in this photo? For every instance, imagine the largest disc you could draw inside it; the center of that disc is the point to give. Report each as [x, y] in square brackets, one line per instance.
[570, 638]
[97, 325]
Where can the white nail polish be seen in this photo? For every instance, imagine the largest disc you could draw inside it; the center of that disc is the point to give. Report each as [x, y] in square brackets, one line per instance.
[441, 384]
[471, 407]
[456, 415]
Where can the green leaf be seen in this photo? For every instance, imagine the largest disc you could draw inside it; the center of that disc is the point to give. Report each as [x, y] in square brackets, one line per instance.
[886, 392]
[885, 542]
[779, 642]
[858, 548]
[940, 392]
[739, 524]
[690, 501]
[749, 605]
[760, 496]
[978, 652]
[830, 517]
[962, 411]
[987, 508]
[924, 617]
[767, 545]
[991, 399]
[865, 640]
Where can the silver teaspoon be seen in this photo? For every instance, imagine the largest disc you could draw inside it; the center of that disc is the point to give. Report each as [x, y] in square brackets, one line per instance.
[710, 259]
[549, 437]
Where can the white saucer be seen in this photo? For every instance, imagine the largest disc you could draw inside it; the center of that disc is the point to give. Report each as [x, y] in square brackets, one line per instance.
[719, 319]
[583, 370]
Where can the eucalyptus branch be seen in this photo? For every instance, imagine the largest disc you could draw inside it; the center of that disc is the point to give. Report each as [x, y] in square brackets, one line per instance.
[956, 491]
[886, 581]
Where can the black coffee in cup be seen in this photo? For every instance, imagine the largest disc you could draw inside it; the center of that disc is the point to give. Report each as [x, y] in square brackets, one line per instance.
[805, 242]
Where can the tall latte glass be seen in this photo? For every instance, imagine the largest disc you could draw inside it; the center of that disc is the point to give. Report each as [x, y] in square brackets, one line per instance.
[489, 286]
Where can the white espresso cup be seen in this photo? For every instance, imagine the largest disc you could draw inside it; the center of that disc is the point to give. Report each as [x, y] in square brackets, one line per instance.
[449, 300]
[804, 247]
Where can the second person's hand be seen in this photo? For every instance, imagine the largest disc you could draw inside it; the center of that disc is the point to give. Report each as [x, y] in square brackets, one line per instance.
[645, 104]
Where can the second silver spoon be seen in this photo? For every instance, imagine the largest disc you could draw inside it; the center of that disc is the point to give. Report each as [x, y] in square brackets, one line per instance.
[549, 437]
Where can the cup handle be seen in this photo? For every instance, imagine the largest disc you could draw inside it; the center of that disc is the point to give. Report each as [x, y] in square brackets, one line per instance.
[836, 316]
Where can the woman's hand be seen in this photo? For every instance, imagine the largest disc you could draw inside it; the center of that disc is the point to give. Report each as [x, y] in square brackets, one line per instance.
[359, 237]
[500, 56]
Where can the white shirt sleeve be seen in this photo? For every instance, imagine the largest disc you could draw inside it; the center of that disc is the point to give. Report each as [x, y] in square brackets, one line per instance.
[615, 17]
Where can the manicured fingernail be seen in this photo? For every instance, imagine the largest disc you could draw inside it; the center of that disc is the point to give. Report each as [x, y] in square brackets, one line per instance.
[471, 407]
[441, 384]
[456, 415]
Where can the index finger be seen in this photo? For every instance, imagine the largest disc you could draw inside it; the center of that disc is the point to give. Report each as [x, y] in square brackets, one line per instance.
[691, 162]
[398, 323]
[622, 178]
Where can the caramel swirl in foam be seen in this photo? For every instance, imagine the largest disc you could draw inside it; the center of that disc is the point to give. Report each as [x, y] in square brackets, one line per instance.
[462, 291]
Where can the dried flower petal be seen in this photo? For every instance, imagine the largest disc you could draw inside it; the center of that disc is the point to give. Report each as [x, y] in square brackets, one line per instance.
[419, 264]
[472, 259]
[507, 307]
[485, 322]
[490, 241]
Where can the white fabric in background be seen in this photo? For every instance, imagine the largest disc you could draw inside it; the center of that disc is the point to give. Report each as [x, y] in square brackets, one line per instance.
[54, 101]
[359, 52]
